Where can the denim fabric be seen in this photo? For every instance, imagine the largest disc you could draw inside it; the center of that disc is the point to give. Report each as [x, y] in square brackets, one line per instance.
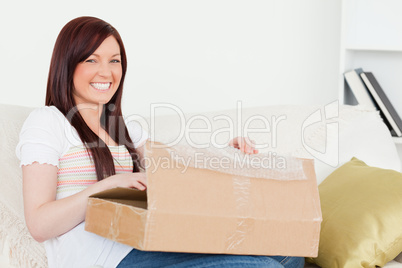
[137, 258]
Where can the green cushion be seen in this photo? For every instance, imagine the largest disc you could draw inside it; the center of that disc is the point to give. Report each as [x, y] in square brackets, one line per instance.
[362, 216]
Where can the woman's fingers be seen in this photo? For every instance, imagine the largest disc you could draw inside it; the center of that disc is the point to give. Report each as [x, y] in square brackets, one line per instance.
[129, 180]
[235, 143]
[140, 181]
[138, 185]
[244, 144]
[248, 146]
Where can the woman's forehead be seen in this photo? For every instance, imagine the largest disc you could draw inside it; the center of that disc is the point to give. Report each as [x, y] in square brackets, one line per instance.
[109, 47]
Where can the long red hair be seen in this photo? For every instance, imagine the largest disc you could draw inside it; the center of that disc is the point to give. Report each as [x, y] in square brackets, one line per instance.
[78, 39]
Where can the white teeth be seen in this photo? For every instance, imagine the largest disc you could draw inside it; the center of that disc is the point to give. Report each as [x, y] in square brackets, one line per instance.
[101, 86]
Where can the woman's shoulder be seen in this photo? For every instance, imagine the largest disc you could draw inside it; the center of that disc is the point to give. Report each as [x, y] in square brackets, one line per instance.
[44, 113]
[131, 122]
[137, 132]
[43, 132]
[48, 119]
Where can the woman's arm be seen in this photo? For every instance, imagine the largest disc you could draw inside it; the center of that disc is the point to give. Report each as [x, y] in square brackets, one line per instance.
[47, 217]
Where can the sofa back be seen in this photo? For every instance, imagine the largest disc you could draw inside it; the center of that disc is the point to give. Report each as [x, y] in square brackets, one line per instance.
[330, 134]
[323, 133]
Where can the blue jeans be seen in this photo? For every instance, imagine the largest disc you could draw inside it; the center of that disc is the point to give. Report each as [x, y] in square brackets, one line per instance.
[137, 258]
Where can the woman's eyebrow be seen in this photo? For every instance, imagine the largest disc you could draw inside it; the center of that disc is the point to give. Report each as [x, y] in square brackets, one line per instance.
[96, 55]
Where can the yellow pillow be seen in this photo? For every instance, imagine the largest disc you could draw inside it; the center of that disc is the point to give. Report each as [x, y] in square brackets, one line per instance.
[362, 216]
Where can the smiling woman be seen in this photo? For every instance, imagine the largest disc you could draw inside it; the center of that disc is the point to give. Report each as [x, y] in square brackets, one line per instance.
[79, 144]
[88, 51]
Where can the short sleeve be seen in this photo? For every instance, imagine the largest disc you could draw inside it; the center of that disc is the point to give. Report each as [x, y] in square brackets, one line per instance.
[137, 134]
[40, 138]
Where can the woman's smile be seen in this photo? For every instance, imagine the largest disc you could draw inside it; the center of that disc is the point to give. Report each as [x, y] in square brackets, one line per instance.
[101, 87]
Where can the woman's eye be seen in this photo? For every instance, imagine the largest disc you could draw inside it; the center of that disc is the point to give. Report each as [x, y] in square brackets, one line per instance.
[115, 61]
[92, 61]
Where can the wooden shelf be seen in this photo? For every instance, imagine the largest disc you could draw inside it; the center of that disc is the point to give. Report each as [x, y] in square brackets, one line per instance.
[370, 48]
[397, 140]
[371, 40]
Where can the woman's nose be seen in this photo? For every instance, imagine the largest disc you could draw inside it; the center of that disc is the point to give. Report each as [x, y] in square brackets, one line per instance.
[104, 70]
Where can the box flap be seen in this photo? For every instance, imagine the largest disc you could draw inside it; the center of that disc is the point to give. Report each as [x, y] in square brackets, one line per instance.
[119, 222]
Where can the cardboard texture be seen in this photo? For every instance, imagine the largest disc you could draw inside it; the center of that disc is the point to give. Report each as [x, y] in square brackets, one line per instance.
[207, 211]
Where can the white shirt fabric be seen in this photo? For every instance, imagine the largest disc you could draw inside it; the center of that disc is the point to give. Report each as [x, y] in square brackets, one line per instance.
[45, 137]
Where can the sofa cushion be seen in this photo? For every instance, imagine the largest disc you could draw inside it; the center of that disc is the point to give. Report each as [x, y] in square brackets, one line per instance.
[361, 209]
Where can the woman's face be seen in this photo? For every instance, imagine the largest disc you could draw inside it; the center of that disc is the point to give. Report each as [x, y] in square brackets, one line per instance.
[97, 78]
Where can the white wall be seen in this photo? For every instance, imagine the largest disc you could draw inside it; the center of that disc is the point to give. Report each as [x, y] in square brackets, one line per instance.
[198, 55]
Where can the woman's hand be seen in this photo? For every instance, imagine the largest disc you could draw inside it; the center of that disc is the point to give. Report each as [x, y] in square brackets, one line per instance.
[136, 180]
[244, 144]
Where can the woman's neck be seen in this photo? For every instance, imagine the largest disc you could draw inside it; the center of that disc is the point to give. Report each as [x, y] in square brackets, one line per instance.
[91, 113]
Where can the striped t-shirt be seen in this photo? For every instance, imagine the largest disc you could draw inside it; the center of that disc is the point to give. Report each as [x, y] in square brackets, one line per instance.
[77, 170]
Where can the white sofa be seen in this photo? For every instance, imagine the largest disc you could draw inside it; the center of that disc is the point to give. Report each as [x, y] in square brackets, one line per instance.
[306, 131]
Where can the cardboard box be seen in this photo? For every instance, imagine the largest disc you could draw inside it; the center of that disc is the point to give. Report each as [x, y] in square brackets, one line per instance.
[208, 211]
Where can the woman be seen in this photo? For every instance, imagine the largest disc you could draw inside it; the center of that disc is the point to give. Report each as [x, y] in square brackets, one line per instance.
[79, 144]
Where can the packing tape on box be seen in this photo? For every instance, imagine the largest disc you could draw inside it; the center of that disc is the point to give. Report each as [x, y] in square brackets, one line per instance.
[232, 161]
[113, 231]
[241, 190]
